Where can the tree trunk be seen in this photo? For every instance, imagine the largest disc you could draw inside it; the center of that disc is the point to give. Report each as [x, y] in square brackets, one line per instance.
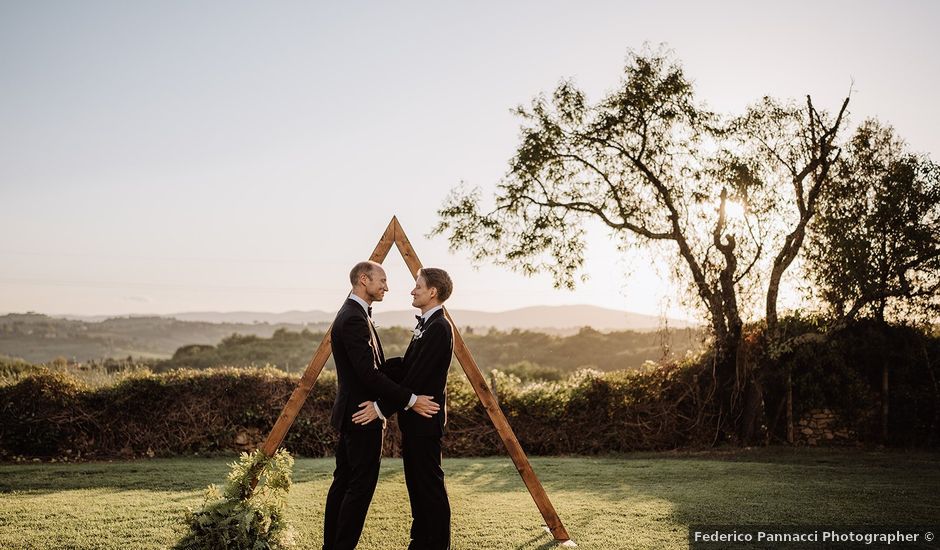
[728, 386]
[936, 397]
[790, 431]
[753, 409]
[884, 403]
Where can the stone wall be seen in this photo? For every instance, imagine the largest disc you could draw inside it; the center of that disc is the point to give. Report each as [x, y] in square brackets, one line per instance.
[823, 427]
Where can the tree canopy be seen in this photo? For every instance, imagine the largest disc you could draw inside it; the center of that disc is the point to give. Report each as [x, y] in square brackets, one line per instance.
[876, 243]
[727, 198]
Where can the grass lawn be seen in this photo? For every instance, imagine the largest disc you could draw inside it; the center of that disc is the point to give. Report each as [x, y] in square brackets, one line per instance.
[633, 501]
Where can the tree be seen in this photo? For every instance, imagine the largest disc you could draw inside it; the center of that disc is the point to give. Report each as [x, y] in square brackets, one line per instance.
[656, 168]
[795, 149]
[877, 239]
[876, 244]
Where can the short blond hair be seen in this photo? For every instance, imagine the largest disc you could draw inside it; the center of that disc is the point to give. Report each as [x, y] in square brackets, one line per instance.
[437, 278]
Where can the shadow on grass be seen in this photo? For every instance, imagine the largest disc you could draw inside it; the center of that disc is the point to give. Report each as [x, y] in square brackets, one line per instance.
[172, 474]
[161, 474]
[761, 486]
[543, 541]
[770, 486]
[152, 475]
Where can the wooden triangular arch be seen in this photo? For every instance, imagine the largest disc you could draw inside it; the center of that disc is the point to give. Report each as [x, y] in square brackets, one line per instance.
[394, 235]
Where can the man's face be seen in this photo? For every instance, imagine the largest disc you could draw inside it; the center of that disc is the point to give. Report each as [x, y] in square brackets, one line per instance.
[376, 284]
[422, 294]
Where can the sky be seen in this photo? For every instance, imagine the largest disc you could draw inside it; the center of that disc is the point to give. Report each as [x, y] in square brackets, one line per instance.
[160, 157]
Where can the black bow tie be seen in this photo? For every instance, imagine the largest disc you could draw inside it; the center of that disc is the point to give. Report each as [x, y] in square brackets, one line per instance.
[369, 310]
[420, 321]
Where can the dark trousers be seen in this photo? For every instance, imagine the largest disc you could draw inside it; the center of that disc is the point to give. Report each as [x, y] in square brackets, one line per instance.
[430, 508]
[358, 456]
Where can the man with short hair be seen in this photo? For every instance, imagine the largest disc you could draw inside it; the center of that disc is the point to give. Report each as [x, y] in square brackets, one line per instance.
[423, 368]
[358, 355]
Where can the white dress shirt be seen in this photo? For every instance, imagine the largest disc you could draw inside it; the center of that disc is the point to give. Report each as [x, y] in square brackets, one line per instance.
[361, 302]
[427, 315]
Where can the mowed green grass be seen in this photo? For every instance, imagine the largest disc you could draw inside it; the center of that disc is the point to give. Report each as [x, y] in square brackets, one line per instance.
[633, 501]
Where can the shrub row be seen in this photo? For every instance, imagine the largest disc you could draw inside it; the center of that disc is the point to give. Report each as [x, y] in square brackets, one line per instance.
[51, 414]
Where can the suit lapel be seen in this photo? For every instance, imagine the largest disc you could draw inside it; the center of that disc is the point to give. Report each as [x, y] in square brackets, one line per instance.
[416, 342]
[373, 334]
[434, 317]
[380, 354]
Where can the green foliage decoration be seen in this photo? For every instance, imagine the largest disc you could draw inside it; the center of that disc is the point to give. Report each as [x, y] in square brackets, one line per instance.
[237, 517]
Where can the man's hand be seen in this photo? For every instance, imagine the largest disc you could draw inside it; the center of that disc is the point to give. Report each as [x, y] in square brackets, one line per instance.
[425, 406]
[366, 413]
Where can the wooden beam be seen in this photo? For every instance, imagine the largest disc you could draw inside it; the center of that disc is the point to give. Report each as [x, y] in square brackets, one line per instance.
[407, 251]
[385, 243]
[395, 235]
[299, 396]
[470, 368]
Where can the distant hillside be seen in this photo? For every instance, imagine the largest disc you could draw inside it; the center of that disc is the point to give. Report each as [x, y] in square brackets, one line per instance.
[249, 317]
[517, 350]
[39, 338]
[551, 319]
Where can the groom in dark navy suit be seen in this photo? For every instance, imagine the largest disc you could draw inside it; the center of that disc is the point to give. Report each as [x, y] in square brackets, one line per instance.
[424, 369]
[358, 355]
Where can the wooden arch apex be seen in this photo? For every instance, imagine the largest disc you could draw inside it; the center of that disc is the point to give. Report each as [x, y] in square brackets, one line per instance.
[394, 235]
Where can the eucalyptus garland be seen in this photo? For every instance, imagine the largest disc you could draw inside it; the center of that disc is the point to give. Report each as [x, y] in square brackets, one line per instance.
[239, 517]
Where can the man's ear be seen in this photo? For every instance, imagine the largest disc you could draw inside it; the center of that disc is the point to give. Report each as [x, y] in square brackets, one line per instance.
[433, 291]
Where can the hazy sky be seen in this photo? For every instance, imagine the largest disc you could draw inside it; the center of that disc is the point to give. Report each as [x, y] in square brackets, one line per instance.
[179, 156]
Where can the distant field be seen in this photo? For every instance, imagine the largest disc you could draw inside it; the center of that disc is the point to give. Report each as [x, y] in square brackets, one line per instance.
[642, 501]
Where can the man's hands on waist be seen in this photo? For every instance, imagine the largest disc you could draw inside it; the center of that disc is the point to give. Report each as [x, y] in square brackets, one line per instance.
[424, 405]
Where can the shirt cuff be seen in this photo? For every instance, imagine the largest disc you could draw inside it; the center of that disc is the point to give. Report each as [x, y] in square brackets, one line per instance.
[378, 410]
[412, 401]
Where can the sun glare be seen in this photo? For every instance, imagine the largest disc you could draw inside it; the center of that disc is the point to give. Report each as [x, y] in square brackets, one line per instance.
[734, 210]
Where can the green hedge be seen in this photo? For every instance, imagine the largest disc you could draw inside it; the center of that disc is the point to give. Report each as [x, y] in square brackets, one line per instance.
[51, 414]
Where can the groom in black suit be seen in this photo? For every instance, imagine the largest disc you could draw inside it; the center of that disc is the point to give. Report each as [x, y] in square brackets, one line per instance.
[358, 355]
[424, 369]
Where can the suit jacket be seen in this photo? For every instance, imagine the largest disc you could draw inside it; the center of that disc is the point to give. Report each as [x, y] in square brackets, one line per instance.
[358, 354]
[424, 370]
